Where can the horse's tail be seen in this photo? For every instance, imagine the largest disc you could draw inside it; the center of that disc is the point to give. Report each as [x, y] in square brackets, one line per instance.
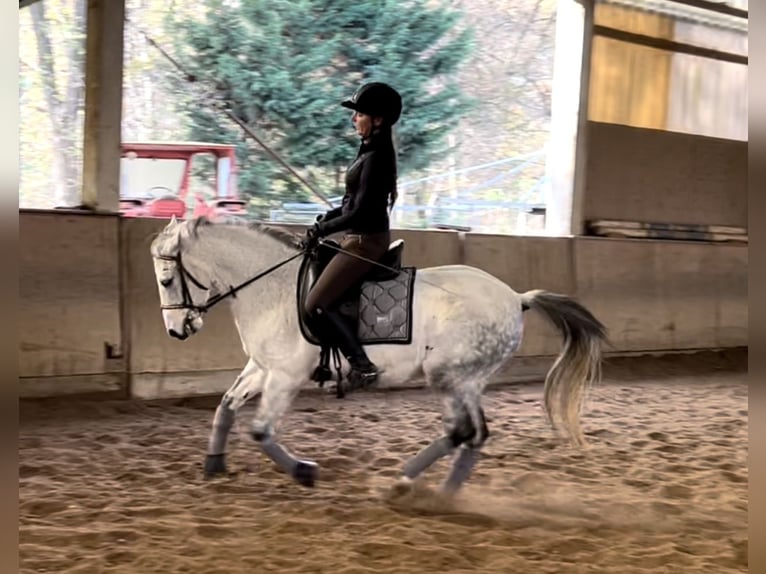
[578, 366]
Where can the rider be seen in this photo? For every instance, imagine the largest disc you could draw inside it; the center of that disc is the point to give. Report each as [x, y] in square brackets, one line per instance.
[363, 215]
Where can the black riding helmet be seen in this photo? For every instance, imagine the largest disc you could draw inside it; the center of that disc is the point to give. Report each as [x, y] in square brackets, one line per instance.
[376, 99]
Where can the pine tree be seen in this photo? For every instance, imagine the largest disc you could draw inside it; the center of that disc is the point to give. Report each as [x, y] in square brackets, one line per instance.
[284, 67]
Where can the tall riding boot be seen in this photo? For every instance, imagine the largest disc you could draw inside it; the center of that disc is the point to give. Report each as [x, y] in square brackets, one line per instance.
[363, 371]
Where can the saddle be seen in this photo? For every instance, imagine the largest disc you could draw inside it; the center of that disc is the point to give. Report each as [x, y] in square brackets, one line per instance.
[379, 307]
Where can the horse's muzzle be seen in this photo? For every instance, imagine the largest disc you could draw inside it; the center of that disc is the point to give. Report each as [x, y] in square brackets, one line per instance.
[176, 335]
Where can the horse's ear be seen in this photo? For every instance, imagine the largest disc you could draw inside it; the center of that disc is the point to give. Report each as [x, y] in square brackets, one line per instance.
[168, 229]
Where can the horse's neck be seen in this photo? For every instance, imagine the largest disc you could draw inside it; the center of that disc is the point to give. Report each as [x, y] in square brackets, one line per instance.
[237, 255]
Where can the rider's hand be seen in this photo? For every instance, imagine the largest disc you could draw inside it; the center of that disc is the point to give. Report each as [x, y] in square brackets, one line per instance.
[311, 238]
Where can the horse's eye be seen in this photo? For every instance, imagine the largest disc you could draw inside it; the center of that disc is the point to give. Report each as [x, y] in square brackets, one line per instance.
[166, 282]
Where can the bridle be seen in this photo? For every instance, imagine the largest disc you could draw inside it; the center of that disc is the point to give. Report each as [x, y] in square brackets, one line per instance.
[185, 277]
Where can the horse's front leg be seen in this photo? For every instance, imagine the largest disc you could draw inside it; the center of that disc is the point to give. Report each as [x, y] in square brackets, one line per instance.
[278, 393]
[248, 384]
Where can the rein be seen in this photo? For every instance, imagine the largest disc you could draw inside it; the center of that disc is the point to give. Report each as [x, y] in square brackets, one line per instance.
[184, 273]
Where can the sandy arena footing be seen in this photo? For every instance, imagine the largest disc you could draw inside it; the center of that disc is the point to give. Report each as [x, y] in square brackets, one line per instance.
[117, 487]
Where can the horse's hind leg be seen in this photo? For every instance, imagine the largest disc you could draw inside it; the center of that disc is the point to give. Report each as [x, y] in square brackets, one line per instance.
[459, 429]
[248, 384]
[472, 418]
[418, 464]
[456, 432]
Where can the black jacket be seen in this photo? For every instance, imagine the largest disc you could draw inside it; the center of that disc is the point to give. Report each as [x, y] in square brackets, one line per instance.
[369, 181]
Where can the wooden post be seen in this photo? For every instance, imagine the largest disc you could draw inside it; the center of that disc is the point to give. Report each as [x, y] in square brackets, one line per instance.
[579, 187]
[569, 112]
[103, 105]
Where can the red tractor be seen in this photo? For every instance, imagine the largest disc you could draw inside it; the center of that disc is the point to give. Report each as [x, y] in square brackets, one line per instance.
[155, 180]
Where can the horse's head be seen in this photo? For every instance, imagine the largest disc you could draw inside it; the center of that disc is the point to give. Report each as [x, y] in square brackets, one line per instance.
[183, 291]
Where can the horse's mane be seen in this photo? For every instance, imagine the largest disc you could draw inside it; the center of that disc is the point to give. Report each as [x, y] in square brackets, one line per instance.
[285, 237]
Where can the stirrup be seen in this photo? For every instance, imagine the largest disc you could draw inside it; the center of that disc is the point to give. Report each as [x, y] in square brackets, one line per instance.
[361, 377]
[321, 374]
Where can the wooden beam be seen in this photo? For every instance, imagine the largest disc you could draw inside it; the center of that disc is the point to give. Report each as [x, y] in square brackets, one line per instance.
[720, 7]
[669, 45]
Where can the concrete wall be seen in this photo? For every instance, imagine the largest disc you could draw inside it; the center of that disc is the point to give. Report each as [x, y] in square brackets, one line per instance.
[87, 281]
[665, 295]
[69, 303]
[658, 176]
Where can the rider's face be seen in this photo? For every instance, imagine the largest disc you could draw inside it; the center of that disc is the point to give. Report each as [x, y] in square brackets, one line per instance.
[364, 124]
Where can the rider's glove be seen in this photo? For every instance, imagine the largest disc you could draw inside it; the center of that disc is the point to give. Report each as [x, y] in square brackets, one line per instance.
[311, 238]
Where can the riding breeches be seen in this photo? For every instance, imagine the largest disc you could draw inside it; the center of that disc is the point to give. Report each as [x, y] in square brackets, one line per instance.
[346, 271]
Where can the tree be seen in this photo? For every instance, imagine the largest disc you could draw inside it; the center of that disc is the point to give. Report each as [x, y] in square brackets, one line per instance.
[64, 95]
[284, 66]
[52, 94]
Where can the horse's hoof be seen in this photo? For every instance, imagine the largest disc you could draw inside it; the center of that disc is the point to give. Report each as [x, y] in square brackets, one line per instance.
[306, 473]
[404, 485]
[215, 465]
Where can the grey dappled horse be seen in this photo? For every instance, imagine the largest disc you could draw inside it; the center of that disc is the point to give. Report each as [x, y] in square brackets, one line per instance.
[465, 325]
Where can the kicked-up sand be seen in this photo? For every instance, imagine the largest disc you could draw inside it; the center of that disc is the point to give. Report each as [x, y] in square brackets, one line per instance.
[117, 487]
